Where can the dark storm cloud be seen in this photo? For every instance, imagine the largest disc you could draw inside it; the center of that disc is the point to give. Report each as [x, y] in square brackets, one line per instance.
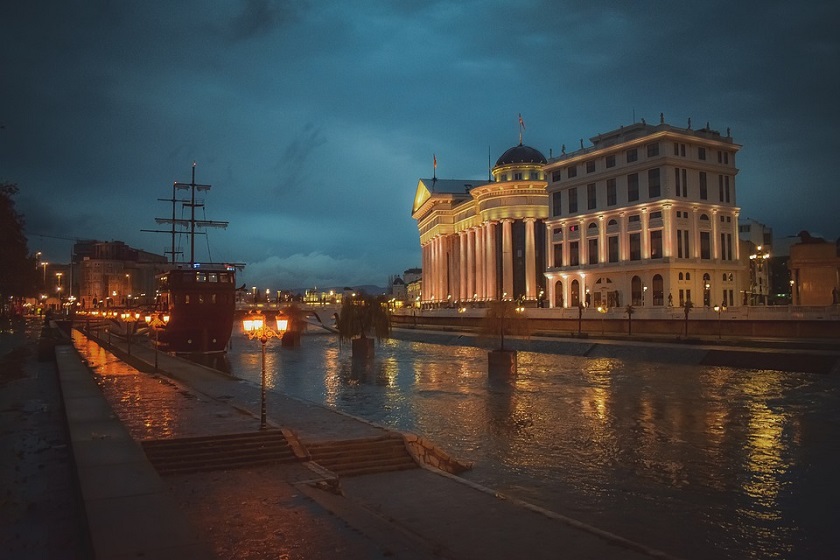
[314, 120]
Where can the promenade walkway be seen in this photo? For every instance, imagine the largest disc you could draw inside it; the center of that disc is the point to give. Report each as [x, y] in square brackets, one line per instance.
[283, 511]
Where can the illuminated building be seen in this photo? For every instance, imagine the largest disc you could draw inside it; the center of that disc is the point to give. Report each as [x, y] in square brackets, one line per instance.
[646, 216]
[484, 240]
[815, 271]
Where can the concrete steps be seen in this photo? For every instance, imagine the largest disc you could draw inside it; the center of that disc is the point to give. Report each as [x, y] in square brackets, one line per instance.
[209, 453]
[362, 456]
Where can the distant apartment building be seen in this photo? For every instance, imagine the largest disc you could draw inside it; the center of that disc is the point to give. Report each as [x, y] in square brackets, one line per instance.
[112, 274]
[646, 216]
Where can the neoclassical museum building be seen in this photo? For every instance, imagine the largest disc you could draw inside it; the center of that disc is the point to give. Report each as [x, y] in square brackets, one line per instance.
[645, 216]
[485, 240]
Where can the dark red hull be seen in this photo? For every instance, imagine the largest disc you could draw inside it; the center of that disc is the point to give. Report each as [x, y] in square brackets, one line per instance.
[200, 301]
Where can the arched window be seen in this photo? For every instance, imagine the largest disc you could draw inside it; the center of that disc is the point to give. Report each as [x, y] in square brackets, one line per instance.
[636, 290]
[681, 275]
[593, 227]
[575, 295]
[558, 294]
[704, 217]
[707, 289]
[612, 223]
[658, 290]
[688, 276]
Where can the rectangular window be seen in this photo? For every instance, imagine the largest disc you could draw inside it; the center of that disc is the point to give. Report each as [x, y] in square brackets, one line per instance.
[726, 187]
[634, 218]
[574, 253]
[701, 153]
[558, 254]
[655, 216]
[573, 200]
[610, 161]
[635, 246]
[612, 248]
[593, 251]
[632, 187]
[590, 166]
[705, 245]
[656, 244]
[571, 171]
[704, 191]
[534, 176]
[517, 176]
[652, 150]
[720, 188]
[556, 176]
[684, 183]
[611, 193]
[631, 155]
[676, 148]
[654, 187]
[591, 196]
[556, 205]
[677, 185]
[683, 251]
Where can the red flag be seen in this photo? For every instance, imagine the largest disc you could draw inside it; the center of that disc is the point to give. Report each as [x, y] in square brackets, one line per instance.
[521, 122]
[434, 159]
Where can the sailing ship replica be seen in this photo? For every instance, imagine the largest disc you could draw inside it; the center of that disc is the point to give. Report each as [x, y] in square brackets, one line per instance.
[199, 298]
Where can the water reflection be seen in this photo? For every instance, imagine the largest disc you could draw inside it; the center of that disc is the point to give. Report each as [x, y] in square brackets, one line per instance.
[700, 462]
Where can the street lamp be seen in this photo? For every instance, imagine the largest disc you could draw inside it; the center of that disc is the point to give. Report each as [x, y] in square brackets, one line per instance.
[255, 328]
[719, 309]
[44, 264]
[758, 259]
[156, 323]
[129, 319]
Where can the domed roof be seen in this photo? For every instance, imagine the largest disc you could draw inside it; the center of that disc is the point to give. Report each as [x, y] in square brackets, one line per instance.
[521, 154]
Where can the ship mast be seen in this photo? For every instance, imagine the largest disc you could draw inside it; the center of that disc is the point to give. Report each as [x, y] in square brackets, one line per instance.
[191, 223]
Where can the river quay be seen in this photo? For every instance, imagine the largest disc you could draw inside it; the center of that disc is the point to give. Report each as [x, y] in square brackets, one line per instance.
[115, 404]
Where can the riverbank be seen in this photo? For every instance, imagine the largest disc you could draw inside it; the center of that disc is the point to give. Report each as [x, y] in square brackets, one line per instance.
[781, 355]
[289, 511]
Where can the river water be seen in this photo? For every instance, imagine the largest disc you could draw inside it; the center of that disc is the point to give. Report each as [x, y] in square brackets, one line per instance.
[699, 462]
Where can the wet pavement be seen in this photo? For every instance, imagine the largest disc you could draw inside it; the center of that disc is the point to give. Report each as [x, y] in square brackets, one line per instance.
[281, 511]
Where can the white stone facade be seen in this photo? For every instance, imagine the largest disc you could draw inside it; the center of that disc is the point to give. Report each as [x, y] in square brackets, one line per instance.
[646, 216]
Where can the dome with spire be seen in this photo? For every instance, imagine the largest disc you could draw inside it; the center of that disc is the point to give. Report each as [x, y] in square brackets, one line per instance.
[521, 154]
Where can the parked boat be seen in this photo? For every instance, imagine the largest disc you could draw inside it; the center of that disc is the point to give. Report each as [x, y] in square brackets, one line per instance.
[199, 298]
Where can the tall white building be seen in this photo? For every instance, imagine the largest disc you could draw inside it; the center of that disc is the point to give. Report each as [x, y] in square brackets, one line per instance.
[646, 216]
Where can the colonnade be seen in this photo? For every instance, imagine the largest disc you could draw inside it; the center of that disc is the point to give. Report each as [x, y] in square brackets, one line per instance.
[477, 263]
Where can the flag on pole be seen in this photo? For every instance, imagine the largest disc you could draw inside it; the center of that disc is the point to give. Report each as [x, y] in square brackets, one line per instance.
[434, 160]
[521, 122]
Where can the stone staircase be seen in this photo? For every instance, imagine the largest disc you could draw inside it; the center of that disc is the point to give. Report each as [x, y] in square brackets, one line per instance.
[362, 456]
[209, 453]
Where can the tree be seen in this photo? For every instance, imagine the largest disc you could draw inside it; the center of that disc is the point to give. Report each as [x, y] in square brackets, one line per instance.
[503, 318]
[359, 316]
[687, 309]
[629, 310]
[17, 268]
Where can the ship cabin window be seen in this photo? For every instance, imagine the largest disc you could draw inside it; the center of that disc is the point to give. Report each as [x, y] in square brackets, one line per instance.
[213, 298]
[187, 298]
[200, 298]
[201, 277]
[213, 276]
[224, 277]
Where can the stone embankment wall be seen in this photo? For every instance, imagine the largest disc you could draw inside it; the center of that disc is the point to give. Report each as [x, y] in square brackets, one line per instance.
[688, 352]
[426, 453]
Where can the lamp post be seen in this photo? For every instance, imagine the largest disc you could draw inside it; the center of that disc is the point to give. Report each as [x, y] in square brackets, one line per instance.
[129, 319]
[719, 309]
[758, 259]
[156, 323]
[255, 328]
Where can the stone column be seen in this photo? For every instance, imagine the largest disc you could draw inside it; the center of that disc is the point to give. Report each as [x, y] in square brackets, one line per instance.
[480, 260]
[507, 257]
[470, 284]
[716, 248]
[490, 266]
[530, 260]
[667, 231]
[462, 265]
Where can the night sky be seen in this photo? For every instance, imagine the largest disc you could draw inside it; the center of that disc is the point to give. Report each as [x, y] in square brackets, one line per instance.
[313, 121]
